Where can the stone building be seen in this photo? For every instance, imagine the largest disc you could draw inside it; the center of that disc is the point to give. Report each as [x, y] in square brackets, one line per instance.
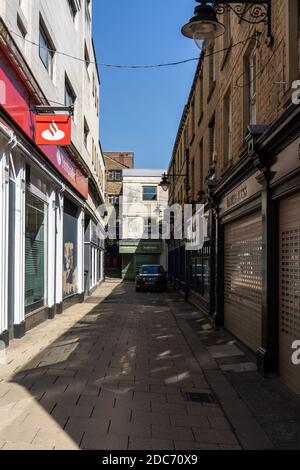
[115, 163]
[143, 206]
[238, 144]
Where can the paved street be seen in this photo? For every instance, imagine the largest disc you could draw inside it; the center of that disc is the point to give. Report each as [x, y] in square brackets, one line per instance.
[131, 371]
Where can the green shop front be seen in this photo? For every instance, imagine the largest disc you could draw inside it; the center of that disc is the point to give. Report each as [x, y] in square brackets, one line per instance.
[136, 253]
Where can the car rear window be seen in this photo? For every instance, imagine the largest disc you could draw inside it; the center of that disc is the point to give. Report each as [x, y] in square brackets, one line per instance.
[151, 270]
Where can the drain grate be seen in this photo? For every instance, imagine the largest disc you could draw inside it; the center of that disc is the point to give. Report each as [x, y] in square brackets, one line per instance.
[200, 397]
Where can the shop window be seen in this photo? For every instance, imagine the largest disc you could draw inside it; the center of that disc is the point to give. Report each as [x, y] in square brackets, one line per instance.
[200, 271]
[150, 193]
[46, 51]
[35, 253]
[70, 260]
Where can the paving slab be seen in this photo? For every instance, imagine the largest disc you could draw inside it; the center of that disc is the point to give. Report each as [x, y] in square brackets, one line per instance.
[113, 373]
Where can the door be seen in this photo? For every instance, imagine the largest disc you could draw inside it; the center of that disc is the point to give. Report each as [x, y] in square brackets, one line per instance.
[243, 279]
[289, 289]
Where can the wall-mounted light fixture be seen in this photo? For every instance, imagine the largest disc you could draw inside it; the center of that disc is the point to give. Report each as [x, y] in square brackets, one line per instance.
[205, 25]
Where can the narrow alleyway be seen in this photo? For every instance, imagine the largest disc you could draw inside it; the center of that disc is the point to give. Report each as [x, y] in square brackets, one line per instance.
[129, 371]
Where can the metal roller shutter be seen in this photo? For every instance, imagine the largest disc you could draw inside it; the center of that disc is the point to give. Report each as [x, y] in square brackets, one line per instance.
[289, 281]
[243, 279]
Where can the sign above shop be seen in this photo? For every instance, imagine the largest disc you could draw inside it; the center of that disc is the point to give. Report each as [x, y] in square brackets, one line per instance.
[241, 194]
[52, 129]
[17, 103]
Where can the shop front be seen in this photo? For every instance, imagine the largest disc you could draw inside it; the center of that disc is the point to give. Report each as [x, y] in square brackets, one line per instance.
[284, 210]
[94, 255]
[137, 253]
[240, 262]
[42, 195]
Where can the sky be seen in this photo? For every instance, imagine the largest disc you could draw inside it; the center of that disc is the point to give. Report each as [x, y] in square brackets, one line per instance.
[141, 109]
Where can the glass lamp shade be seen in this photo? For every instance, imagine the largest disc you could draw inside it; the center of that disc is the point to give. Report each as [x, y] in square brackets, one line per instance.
[203, 26]
[165, 183]
[165, 186]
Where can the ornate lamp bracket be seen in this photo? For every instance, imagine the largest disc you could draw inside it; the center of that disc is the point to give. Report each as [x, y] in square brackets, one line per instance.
[255, 12]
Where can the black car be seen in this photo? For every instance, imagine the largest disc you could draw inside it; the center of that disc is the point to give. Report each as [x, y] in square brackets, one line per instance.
[151, 277]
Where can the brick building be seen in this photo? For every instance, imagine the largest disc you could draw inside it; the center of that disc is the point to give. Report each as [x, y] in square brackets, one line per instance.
[238, 142]
[115, 163]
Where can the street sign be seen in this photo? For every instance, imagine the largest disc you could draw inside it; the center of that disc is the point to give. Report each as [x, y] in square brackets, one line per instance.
[53, 130]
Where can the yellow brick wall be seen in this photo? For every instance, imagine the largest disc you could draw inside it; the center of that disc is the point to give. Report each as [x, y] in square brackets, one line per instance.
[273, 90]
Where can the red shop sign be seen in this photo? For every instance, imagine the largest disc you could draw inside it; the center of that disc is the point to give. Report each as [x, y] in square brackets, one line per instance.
[52, 129]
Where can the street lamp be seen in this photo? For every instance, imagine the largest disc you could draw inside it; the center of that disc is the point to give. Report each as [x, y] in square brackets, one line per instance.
[165, 183]
[205, 24]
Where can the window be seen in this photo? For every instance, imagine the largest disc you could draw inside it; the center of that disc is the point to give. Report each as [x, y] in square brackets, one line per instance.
[70, 96]
[35, 253]
[114, 175]
[151, 228]
[201, 107]
[192, 120]
[74, 7]
[150, 193]
[212, 141]
[86, 57]
[88, 11]
[227, 34]
[201, 164]
[86, 132]
[46, 51]
[192, 179]
[114, 199]
[252, 87]
[212, 68]
[21, 27]
[227, 128]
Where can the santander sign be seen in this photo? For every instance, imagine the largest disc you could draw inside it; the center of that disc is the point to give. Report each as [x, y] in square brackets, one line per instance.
[52, 129]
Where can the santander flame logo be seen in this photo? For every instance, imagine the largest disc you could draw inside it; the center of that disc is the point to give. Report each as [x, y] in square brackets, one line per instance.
[53, 134]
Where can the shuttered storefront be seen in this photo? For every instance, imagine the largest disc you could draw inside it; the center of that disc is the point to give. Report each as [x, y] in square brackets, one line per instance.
[289, 282]
[243, 279]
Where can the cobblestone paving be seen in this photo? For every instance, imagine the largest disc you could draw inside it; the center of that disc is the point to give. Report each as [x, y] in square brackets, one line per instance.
[111, 373]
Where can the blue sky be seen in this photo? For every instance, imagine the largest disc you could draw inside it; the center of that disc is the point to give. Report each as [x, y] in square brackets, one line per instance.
[141, 109]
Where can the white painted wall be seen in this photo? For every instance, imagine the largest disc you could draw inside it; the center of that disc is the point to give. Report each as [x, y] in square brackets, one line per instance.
[134, 209]
[70, 37]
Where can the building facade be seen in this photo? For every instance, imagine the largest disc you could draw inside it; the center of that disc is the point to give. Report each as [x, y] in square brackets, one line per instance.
[50, 195]
[238, 142]
[143, 204]
[115, 163]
